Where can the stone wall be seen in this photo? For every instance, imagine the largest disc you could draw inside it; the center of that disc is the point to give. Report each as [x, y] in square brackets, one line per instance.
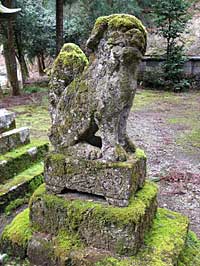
[151, 68]
[191, 67]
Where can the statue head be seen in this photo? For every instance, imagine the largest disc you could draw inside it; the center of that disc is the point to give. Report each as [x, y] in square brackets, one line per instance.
[121, 36]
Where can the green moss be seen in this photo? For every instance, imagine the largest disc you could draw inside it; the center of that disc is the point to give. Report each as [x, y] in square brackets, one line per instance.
[71, 56]
[36, 117]
[193, 137]
[35, 183]
[19, 231]
[190, 256]
[127, 21]
[117, 21]
[15, 204]
[21, 150]
[114, 23]
[64, 243]
[25, 176]
[167, 237]
[101, 213]
[19, 159]
[39, 192]
[163, 243]
[140, 154]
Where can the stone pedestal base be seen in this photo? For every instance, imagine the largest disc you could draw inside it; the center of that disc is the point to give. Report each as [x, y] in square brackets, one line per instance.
[115, 182]
[118, 230]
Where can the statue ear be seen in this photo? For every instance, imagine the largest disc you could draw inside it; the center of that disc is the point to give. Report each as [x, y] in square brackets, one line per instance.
[96, 35]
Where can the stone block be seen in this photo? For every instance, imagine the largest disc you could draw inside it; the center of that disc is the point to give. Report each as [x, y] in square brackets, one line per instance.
[20, 185]
[14, 138]
[118, 230]
[116, 182]
[164, 243]
[16, 161]
[7, 120]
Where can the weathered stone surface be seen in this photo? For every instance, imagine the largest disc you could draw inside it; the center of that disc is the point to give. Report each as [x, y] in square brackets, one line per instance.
[119, 230]
[43, 251]
[14, 138]
[16, 161]
[116, 182]
[70, 62]
[164, 244]
[7, 120]
[98, 100]
[20, 185]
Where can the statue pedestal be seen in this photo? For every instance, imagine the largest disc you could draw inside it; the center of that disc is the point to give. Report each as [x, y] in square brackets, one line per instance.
[96, 224]
[115, 182]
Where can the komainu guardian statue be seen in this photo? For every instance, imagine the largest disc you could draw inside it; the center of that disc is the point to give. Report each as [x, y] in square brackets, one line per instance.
[90, 101]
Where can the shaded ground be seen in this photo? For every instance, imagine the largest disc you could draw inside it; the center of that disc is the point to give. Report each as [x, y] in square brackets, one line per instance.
[165, 125]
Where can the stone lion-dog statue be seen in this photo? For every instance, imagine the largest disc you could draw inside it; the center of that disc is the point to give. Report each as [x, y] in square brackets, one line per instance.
[90, 100]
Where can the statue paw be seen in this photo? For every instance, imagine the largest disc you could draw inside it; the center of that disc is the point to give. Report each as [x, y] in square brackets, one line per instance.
[120, 153]
[129, 145]
[114, 154]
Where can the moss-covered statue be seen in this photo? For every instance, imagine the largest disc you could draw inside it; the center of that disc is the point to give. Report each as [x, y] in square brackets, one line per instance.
[95, 97]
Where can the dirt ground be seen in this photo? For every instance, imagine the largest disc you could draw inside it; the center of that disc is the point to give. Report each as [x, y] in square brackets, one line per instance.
[166, 125]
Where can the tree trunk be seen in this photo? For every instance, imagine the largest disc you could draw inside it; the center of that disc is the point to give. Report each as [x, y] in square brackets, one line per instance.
[9, 53]
[59, 25]
[43, 62]
[21, 59]
[10, 59]
[24, 68]
[40, 66]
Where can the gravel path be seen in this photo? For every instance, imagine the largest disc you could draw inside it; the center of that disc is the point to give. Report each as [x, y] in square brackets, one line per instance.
[167, 127]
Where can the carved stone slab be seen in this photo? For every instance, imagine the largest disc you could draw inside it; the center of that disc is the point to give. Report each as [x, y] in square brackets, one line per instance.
[116, 182]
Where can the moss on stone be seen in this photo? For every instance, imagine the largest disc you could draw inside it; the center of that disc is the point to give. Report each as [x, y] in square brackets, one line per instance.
[140, 154]
[15, 204]
[14, 162]
[64, 243]
[19, 231]
[163, 243]
[25, 176]
[118, 21]
[190, 256]
[21, 150]
[39, 192]
[70, 56]
[101, 213]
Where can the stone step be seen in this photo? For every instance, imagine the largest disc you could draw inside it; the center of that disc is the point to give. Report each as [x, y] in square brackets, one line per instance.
[16, 161]
[7, 120]
[168, 243]
[22, 185]
[14, 138]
